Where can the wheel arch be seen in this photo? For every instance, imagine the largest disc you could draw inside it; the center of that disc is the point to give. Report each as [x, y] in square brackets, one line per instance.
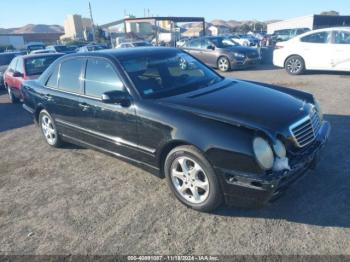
[38, 109]
[165, 150]
[285, 60]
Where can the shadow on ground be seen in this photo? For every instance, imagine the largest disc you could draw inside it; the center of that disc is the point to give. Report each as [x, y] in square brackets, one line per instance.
[322, 197]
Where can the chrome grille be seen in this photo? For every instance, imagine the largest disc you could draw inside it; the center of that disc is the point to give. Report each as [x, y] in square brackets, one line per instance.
[305, 131]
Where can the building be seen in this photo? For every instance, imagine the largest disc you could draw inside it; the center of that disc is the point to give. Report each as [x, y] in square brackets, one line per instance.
[218, 30]
[75, 27]
[19, 41]
[311, 21]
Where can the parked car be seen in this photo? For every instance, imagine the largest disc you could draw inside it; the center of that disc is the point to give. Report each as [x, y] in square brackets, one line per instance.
[23, 68]
[34, 46]
[5, 60]
[286, 34]
[60, 49]
[323, 49]
[222, 53]
[42, 51]
[134, 44]
[91, 48]
[212, 137]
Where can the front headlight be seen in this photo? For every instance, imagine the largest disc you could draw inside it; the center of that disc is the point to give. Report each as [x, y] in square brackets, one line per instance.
[318, 109]
[263, 153]
[280, 149]
[238, 55]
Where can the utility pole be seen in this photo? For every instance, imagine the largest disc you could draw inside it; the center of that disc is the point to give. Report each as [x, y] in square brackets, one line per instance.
[92, 23]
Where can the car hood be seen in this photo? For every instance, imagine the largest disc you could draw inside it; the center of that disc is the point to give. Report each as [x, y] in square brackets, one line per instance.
[243, 104]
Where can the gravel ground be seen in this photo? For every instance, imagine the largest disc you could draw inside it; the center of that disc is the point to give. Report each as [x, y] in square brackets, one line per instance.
[78, 201]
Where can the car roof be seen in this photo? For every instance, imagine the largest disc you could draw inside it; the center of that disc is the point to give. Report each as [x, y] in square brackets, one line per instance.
[127, 52]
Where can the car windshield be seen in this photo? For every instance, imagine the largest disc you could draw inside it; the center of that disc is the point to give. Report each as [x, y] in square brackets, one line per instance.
[162, 75]
[5, 59]
[222, 42]
[37, 65]
[137, 44]
[62, 48]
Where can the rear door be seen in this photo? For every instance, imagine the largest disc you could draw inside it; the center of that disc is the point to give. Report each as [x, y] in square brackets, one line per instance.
[341, 55]
[194, 47]
[62, 96]
[317, 50]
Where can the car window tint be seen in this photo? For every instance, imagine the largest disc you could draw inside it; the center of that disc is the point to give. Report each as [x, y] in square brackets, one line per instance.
[13, 65]
[52, 81]
[197, 43]
[100, 78]
[319, 38]
[341, 37]
[19, 66]
[69, 79]
[5, 59]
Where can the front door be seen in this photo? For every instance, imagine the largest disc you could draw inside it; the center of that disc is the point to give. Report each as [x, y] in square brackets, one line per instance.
[341, 56]
[112, 127]
[316, 49]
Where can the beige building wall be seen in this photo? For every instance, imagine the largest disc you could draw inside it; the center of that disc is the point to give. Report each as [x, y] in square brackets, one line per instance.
[74, 26]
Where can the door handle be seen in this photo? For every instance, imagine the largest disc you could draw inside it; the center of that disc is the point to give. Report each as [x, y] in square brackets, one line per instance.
[48, 98]
[84, 106]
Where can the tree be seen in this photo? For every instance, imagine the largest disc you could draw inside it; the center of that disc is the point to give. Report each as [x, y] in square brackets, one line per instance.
[330, 13]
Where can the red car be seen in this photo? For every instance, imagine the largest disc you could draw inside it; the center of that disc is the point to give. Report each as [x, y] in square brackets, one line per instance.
[27, 67]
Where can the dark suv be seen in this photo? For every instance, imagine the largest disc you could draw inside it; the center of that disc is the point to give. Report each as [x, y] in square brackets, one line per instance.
[222, 53]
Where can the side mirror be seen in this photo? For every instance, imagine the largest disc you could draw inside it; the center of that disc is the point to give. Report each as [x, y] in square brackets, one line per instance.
[17, 74]
[211, 47]
[116, 97]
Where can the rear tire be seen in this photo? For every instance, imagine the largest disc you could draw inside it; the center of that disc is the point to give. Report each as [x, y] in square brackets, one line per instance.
[49, 130]
[295, 65]
[192, 179]
[12, 97]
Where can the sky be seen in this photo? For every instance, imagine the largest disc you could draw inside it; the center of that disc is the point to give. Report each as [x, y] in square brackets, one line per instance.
[21, 12]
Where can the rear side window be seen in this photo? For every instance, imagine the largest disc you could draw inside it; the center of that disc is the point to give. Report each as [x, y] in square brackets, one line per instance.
[342, 37]
[100, 78]
[197, 43]
[70, 72]
[52, 82]
[318, 38]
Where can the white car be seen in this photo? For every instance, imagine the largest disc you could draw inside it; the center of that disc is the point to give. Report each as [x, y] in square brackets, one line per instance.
[323, 49]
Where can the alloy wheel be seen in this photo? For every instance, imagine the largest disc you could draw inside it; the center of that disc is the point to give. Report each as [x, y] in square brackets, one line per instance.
[189, 180]
[223, 64]
[294, 65]
[49, 130]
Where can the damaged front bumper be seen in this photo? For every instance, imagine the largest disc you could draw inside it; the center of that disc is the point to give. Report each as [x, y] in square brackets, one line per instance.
[241, 189]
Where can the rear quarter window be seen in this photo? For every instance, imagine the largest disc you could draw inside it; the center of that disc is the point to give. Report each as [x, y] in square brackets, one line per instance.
[69, 76]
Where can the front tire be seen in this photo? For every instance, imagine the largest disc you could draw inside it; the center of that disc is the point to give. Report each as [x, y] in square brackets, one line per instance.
[49, 129]
[192, 179]
[224, 64]
[295, 65]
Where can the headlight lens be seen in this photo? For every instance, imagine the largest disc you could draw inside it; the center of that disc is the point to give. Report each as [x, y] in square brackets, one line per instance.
[238, 55]
[263, 153]
[318, 109]
[280, 149]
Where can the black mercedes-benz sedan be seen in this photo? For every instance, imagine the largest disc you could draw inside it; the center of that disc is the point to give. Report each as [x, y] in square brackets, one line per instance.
[213, 138]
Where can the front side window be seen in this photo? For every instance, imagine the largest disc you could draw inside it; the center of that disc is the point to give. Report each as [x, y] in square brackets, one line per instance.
[317, 38]
[13, 65]
[197, 43]
[166, 74]
[19, 66]
[69, 76]
[100, 78]
[342, 37]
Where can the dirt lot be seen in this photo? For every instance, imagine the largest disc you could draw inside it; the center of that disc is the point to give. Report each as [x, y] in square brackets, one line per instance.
[78, 201]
